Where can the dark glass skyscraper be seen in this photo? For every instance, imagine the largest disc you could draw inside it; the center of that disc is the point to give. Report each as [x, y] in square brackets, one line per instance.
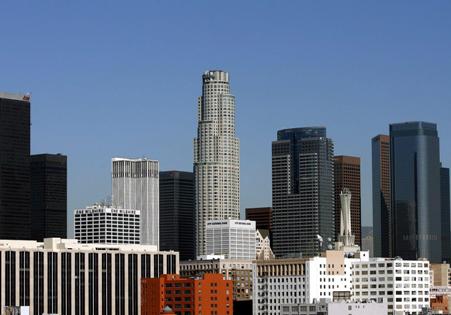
[48, 196]
[445, 206]
[302, 191]
[415, 190]
[177, 213]
[14, 166]
[382, 215]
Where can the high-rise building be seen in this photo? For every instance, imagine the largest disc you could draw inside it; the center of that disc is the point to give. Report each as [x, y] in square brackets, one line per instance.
[445, 220]
[60, 276]
[302, 191]
[235, 239]
[210, 294]
[177, 213]
[216, 155]
[15, 196]
[261, 216]
[100, 224]
[135, 186]
[415, 188]
[48, 196]
[382, 215]
[347, 175]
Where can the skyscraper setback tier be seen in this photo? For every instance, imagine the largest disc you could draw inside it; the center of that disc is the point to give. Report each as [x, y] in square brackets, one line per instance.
[347, 175]
[302, 191]
[415, 180]
[216, 155]
[15, 196]
[48, 196]
[382, 214]
[177, 214]
[136, 187]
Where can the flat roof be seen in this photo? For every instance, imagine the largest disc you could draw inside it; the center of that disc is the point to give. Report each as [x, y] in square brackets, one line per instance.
[15, 96]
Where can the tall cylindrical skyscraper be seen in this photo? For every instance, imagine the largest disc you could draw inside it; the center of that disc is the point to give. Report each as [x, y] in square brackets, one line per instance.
[216, 155]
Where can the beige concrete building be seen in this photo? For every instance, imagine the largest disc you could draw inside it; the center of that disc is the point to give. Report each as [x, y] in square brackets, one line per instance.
[441, 275]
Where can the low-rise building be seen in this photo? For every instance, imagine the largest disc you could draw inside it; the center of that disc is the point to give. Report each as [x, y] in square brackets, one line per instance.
[239, 271]
[404, 284]
[61, 276]
[208, 295]
[337, 308]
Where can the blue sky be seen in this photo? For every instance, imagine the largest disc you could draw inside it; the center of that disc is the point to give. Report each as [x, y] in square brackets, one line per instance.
[121, 78]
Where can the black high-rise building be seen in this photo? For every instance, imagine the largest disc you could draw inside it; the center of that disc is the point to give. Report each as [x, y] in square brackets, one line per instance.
[15, 220]
[48, 196]
[302, 191]
[177, 213]
[415, 191]
[445, 206]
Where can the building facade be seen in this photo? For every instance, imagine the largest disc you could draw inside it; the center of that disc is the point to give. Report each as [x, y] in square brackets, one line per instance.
[216, 155]
[347, 175]
[404, 284]
[239, 271]
[263, 245]
[63, 277]
[302, 191]
[325, 307]
[382, 215]
[445, 208]
[136, 186]
[15, 195]
[210, 295]
[48, 196]
[105, 225]
[235, 239]
[261, 216]
[177, 213]
[415, 191]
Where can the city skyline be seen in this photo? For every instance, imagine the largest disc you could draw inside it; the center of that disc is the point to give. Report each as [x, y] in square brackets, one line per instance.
[361, 89]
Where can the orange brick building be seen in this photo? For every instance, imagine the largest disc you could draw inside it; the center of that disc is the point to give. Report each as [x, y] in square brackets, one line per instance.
[211, 295]
[440, 303]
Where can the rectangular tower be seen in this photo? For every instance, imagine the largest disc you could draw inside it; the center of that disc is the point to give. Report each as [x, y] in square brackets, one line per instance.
[445, 207]
[382, 215]
[347, 175]
[415, 191]
[302, 191]
[48, 196]
[136, 187]
[177, 213]
[261, 216]
[216, 155]
[15, 221]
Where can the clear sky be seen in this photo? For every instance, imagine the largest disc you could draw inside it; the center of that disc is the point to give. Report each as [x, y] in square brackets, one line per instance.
[121, 78]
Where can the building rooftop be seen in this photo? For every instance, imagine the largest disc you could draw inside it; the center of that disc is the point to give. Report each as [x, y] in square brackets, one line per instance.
[15, 96]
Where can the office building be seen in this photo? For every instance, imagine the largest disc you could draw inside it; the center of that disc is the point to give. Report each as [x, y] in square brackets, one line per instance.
[302, 191]
[295, 281]
[209, 295]
[135, 186]
[263, 245]
[239, 271]
[327, 307]
[99, 224]
[261, 216]
[441, 275]
[60, 276]
[48, 196]
[216, 156]
[445, 220]
[235, 239]
[177, 213]
[415, 180]
[404, 284]
[347, 175]
[15, 196]
[382, 215]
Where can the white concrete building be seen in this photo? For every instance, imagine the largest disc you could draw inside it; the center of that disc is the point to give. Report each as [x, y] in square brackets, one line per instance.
[216, 156]
[326, 307]
[60, 276]
[263, 245]
[99, 224]
[235, 239]
[136, 186]
[405, 284]
[296, 281]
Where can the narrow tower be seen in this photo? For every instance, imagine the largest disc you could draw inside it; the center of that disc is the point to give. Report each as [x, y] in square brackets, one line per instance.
[216, 155]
